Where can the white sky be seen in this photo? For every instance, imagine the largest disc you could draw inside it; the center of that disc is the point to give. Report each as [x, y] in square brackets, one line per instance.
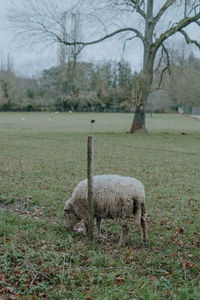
[31, 61]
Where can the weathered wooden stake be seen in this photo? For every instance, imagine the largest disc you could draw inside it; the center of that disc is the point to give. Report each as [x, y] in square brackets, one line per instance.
[90, 228]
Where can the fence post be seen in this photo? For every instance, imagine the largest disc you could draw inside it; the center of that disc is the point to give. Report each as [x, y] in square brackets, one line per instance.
[90, 187]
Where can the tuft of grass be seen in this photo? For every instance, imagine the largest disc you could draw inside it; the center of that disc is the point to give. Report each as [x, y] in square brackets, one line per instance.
[40, 165]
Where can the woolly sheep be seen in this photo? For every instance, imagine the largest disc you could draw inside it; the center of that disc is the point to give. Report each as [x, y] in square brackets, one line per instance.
[116, 197]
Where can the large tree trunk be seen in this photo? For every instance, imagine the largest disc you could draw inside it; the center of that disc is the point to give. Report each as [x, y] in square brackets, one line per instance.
[138, 125]
[139, 119]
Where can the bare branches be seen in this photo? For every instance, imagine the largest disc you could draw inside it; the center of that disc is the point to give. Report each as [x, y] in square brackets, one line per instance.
[164, 51]
[178, 27]
[124, 46]
[188, 40]
[193, 8]
[167, 56]
[161, 77]
[100, 21]
[48, 24]
[137, 4]
[166, 68]
[127, 29]
[163, 9]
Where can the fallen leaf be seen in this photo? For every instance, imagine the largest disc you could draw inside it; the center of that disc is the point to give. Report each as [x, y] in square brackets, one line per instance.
[180, 229]
[189, 265]
[180, 243]
[154, 278]
[120, 281]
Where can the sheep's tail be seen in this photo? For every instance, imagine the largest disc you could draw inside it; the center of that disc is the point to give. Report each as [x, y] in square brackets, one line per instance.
[137, 211]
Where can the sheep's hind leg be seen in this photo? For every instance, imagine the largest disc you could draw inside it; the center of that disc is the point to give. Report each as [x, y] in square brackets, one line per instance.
[124, 233]
[143, 224]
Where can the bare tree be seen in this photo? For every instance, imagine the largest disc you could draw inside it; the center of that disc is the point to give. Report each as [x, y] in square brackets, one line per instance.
[68, 55]
[184, 86]
[70, 31]
[141, 19]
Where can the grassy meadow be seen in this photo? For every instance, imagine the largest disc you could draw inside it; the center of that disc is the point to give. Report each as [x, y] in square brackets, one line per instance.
[42, 158]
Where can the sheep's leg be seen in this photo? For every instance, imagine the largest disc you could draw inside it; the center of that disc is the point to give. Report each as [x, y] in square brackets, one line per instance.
[124, 233]
[143, 223]
[98, 225]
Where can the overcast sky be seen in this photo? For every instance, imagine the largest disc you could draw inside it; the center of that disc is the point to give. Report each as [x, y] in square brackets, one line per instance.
[31, 61]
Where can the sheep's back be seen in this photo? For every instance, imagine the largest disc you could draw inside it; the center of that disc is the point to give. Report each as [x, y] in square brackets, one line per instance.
[113, 195]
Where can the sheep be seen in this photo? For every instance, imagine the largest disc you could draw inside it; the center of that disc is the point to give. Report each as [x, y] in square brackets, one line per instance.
[116, 197]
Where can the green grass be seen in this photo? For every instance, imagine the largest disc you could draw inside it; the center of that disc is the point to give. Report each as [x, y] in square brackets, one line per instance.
[42, 160]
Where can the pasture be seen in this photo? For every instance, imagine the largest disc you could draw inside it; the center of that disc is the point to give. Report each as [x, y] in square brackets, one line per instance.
[43, 157]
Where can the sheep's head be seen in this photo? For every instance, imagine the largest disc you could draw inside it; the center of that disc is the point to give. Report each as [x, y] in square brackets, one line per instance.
[70, 216]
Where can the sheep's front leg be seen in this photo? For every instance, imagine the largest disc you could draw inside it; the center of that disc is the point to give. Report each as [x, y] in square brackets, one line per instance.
[124, 233]
[143, 223]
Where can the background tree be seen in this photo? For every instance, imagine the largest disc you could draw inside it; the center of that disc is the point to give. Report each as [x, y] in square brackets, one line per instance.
[98, 87]
[69, 55]
[40, 21]
[108, 86]
[184, 86]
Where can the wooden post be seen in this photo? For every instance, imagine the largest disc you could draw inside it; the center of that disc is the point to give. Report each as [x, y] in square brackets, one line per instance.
[90, 228]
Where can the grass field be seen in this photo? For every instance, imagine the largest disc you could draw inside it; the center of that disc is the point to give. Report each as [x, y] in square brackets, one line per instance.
[43, 157]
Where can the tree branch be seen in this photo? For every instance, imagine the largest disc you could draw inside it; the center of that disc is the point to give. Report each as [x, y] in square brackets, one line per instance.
[167, 55]
[124, 46]
[138, 8]
[165, 6]
[166, 68]
[137, 32]
[160, 61]
[161, 77]
[164, 50]
[178, 27]
[194, 8]
[188, 40]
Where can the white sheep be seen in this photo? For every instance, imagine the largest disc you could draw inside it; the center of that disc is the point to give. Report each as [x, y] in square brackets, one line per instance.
[116, 197]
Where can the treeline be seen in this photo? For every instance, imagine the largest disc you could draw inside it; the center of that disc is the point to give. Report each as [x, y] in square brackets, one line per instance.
[80, 87]
[184, 82]
[110, 86]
